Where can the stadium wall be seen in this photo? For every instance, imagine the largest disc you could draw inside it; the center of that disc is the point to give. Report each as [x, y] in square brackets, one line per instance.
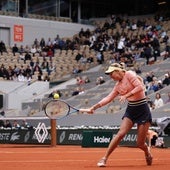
[23, 31]
[17, 92]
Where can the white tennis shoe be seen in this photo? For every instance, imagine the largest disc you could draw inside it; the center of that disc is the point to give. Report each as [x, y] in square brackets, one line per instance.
[102, 162]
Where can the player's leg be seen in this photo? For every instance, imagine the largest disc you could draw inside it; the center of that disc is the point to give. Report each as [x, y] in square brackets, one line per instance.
[126, 125]
[141, 141]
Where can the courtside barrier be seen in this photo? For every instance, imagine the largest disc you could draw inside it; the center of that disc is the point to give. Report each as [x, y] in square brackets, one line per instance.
[45, 131]
[42, 135]
[82, 137]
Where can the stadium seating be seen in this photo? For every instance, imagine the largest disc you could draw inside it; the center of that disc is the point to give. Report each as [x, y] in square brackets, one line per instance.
[65, 61]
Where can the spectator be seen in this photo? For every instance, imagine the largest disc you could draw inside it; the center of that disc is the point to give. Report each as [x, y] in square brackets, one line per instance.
[2, 112]
[42, 43]
[79, 56]
[51, 95]
[156, 48]
[28, 79]
[83, 59]
[39, 77]
[15, 49]
[56, 41]
[2, 47]
[32, 63]
[25, 124]
[39, 50]
[90, 59]
[21, 77]
[21, 49]
[92, 39]
[16, 124]
[149, 77]
[27, 56]
[151, 137]
[79, 80]
[77, 69]
[100, 57]
[87, 33]
[46, 78]
[160, 85]
[28, 70]
[168, 100]
[50, 53]
[36, 42]
[106, 25]
[167, 51]
[33, 50]
[78, 90]
[151, 105]
[121, 45]
[62, 44]
[86, 79]
[51, 67]
[158, 101]
[45, 65]
[60, 93]
[100, 80]
[4, 72]
[10, 71]
[14, 77]
[16, 69]
[27, 49]
[147, 53]
[166, 80]
[7, 124]
[37, 68]
[151, 87]
[81, 33]
[2, 124]
[21, 56]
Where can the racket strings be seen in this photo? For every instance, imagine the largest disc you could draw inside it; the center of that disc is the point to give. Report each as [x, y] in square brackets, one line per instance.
[57, 109]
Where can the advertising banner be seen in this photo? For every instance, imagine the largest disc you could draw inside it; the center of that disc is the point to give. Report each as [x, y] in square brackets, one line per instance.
[69, 137]
[101, 138]
[21, 136]
[18, 33]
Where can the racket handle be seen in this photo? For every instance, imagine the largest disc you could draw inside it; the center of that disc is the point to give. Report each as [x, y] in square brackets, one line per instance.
[84, 110]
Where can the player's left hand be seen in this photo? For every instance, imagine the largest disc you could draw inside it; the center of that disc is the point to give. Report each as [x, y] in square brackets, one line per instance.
[122, 99]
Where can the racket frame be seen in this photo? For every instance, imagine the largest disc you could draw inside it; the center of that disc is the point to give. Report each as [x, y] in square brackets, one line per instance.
[65, 115]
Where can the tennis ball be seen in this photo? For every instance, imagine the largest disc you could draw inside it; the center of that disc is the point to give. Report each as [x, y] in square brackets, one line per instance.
[56, 96]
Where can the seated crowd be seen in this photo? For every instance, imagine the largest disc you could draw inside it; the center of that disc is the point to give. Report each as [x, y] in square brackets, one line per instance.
[126, 39]
[14, 124]
[117, 39]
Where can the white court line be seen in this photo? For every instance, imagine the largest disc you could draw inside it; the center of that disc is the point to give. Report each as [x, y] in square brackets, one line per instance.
[73, 160]
[44, 161]
[46, 152]
[57, 151]
[23, 118]
[52, 152]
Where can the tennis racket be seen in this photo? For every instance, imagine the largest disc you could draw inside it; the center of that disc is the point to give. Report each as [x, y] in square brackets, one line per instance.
[58, 109]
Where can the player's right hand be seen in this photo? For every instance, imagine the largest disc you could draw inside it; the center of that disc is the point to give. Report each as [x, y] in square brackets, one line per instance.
[89, 110]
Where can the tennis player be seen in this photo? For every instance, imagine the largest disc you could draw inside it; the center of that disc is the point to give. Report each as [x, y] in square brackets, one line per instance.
[128, 87]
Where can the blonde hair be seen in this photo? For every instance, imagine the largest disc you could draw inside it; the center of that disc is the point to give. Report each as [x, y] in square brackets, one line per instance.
[119, 65]
[116, 65]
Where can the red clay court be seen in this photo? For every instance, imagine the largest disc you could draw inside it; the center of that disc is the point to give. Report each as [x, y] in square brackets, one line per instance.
[64, 157]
